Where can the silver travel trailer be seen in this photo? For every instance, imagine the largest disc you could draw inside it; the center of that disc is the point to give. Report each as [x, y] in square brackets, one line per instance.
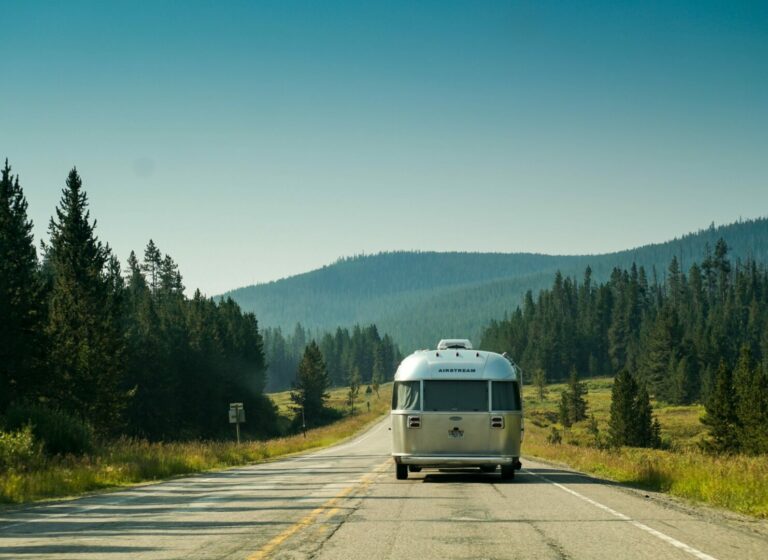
[457, 407]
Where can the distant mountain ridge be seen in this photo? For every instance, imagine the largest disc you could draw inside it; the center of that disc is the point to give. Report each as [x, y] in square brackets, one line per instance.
[419, 297]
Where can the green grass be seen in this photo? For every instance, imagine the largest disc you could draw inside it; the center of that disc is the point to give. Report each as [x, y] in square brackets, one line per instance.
[735, 482]
[126, 462]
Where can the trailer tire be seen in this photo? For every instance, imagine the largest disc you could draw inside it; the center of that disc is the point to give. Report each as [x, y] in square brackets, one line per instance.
[507, 472]
[401, 471]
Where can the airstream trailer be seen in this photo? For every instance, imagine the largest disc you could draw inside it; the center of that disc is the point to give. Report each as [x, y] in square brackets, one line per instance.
[456, 407]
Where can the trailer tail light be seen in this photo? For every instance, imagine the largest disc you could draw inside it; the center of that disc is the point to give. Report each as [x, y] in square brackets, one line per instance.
[414, 421]
[497, 421]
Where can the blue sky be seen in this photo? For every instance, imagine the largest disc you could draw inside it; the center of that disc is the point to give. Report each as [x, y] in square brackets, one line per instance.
[253, 140]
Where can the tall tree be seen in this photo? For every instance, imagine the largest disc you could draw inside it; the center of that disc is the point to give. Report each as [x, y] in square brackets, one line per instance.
[751, 404]
[720, 415]
[631, 421]
[540, 382]
[86, 337]
[310, 390]
[152, 264]
[21, 298]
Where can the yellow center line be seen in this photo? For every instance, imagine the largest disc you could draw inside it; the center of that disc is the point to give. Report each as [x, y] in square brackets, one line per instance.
[329, 508]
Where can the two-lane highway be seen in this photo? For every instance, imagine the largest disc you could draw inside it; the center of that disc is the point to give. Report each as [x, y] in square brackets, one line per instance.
[343, 503]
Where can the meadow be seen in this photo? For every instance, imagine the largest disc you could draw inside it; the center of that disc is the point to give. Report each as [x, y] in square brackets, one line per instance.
[127, 462]
[680, 468]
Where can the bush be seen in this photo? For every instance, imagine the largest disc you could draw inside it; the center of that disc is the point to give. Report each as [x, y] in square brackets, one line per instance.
[59, 432]
[555, 437]
[18, 450]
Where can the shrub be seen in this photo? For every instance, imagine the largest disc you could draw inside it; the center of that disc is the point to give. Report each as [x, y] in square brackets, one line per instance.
[59, 432]
[18, 450]
[554, 437]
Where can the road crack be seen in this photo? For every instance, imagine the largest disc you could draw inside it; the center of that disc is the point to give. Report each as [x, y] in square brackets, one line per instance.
[551, 543]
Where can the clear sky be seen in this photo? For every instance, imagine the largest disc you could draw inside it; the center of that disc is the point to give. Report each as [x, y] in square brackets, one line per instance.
[254, 140]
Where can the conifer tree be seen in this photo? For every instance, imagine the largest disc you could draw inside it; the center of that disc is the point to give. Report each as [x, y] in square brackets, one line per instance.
[631, 422]
[540, 382]
[151, 266]
[378, 369]
[21, 298]
[623, 395]
[310, 390]
[751, 405]
[720, 415]
[576, 392]
[86, 338]
[354, 390]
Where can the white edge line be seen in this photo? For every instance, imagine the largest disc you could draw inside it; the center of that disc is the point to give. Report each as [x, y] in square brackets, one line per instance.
[658, 534]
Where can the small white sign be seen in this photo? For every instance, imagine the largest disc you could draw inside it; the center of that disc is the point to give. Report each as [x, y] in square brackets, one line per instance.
[236, 413]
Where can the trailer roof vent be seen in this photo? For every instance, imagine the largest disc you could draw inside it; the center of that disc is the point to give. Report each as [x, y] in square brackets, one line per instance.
[460, 343]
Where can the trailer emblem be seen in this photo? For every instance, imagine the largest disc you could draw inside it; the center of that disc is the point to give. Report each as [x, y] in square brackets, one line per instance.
[456, 433]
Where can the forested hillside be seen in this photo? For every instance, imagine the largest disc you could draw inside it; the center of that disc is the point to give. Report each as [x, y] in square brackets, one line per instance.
[695, 337]
[419, 297]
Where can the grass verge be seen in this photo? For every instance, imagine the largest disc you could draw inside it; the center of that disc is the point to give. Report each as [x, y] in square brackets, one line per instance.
[126, 462]
[735, 482]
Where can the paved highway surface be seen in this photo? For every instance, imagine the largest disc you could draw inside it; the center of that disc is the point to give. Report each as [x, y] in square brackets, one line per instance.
[344, 503]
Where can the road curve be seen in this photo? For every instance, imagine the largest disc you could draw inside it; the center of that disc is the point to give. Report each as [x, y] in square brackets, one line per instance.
[344, 503]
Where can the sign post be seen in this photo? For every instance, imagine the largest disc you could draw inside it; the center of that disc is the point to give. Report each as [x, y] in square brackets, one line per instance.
[237, 417]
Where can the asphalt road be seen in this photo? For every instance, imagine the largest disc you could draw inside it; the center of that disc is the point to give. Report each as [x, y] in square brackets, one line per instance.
[344, 503]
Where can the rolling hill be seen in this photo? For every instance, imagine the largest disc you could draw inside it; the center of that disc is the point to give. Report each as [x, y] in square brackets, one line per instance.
[419, 297]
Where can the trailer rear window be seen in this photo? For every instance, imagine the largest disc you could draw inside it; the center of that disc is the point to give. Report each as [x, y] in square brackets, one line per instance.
[456, 396]
[505, 395]
[406, 396]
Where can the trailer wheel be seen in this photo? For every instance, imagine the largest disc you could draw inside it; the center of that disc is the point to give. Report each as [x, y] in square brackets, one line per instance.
[401, 471]
[507, 472]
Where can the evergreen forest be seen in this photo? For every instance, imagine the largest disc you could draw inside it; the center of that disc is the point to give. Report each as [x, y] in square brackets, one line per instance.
[92, 344]
[699, 336]
[360, 352]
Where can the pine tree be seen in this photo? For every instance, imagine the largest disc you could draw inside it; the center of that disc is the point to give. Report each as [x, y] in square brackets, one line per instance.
[354, 390]
[684, 376]
[86, 338]
[21, 298]
[644, 431]
[631, 422]
[623, 394]
[310, 389]
[577, 392]
[751, 404]
[151, 266]
[720, 415]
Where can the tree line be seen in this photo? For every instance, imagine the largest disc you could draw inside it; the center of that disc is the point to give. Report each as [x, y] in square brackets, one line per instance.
[360, 354]
[123, 350]
[405, 293]
[690, 337]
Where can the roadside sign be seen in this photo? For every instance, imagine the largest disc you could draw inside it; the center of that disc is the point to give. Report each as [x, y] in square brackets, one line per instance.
[237, 416]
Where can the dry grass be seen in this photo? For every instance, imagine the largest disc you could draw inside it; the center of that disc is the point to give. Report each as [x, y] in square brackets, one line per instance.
[127, 462]
[738, 483]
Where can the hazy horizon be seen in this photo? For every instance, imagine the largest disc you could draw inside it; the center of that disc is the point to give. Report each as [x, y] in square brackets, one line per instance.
[255, 142]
